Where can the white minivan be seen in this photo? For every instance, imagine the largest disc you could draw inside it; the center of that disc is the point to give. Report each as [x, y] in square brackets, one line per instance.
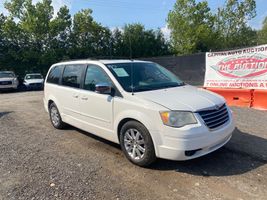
[140, 105]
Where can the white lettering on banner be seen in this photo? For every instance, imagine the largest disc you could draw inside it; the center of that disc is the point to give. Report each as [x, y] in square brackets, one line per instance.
[242, 68]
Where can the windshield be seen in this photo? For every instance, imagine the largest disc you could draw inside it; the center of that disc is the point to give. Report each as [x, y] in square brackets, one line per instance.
[6, 75]
[139, 77]
[34, 76]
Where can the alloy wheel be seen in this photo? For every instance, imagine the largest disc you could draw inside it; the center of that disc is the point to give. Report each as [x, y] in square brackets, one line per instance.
[134, 144]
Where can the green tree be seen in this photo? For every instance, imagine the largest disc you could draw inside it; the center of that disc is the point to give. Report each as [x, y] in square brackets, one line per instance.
[89, 38]
[14, 40]
[59, 42]
[35, 39]
[16, 7]
[191, 26]
[133, 38]
[3, 42]
[27, 29]
[32, 37]
[262, 34]
[139, 42]
[161, 46]
[117, 43]
[195, 29]
[232, 23]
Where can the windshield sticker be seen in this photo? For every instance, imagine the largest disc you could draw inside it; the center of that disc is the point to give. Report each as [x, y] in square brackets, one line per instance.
[120, 72]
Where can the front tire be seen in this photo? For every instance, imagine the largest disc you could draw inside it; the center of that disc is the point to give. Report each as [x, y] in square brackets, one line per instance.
[137, 144]
[55, 117]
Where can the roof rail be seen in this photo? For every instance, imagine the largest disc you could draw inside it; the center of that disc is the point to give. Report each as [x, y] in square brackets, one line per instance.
[97, 58]
[77, 59]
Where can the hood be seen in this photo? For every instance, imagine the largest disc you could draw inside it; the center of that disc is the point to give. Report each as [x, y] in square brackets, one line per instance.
[8, 79]
[34, 81]
[186, 98]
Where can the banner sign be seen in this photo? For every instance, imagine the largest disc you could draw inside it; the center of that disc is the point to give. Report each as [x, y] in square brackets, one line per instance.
[242, 68]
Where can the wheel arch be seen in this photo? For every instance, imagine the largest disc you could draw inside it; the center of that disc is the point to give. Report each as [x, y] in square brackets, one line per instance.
[51, 99]
[124, 121]
[142, 119]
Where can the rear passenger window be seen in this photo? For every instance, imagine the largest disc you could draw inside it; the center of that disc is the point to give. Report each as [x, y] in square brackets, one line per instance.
[54, 75]
[72, 75]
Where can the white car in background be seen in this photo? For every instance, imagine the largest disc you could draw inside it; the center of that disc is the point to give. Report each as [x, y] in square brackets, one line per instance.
[34, 81]
[8, 80]
[140, 105]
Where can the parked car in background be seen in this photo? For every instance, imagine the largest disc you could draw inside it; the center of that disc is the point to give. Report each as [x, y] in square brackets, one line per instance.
[8, 80]
[33, 81]
[140, 105]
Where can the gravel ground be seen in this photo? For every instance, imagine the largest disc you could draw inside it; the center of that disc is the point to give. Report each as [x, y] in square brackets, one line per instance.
[40, 162]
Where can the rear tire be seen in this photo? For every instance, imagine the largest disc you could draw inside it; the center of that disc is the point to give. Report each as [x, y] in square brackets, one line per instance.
[55, 117]
[137, 144]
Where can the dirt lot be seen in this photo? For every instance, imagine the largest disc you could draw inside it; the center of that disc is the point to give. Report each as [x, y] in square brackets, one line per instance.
[39, 162]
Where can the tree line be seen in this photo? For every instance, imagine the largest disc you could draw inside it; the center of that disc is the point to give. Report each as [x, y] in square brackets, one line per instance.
[196, 28]
[32, 36]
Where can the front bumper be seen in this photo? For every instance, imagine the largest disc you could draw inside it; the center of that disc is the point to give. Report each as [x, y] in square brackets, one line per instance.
[192, 141]
[7, 87]
[34, 86]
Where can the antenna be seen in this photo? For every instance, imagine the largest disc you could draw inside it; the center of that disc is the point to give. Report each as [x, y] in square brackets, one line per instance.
[132, 83]
[110, 49]
[130, 42]
[131, 58]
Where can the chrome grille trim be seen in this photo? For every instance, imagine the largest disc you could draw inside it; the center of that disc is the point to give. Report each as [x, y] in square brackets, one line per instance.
[214, 111]
[215, 118]
[220, 114]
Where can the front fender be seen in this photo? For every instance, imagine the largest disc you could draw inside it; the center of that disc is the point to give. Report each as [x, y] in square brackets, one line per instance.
[149, 121]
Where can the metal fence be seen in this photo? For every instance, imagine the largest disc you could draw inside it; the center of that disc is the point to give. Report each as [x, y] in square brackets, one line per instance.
[190, 68]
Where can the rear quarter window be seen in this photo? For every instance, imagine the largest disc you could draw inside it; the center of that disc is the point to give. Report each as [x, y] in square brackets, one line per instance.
[72, 75]
[54, 75]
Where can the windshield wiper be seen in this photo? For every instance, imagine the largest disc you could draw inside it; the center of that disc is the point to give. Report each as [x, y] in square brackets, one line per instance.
[142, 88]
[172, 85]
[155, 87]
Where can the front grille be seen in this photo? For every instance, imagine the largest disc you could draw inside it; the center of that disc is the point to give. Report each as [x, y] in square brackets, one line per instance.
[35, 84]
[216, 117]
[5, 82]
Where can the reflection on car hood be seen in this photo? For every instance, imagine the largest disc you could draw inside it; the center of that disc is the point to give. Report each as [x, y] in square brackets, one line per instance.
[183, 98]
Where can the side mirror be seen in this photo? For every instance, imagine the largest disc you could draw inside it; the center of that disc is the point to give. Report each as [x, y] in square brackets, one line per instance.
[104, 88]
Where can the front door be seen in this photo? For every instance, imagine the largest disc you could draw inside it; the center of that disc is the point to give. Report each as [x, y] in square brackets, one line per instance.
[96, 110]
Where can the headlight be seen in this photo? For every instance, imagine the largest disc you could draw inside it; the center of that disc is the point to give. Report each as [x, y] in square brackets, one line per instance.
[178, 118]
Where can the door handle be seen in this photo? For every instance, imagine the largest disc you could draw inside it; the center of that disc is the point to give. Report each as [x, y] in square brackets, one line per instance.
[75, 95]
[84, 98]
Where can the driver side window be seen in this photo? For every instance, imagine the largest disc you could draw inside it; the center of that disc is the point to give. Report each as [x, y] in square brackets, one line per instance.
[95, 75]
